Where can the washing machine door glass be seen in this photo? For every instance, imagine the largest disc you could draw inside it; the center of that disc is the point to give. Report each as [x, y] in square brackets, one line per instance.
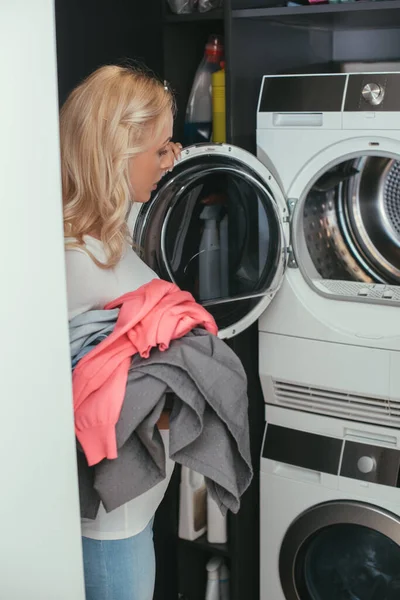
[342, 550]
[350, 562]
[214, 228]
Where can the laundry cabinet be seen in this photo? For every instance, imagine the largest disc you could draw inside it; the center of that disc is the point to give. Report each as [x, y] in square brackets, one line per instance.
[260, 38]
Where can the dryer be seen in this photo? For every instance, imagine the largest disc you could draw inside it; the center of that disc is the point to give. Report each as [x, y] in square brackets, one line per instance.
[330, 341]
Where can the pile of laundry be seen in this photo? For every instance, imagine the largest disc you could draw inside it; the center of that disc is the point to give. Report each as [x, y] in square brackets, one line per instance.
[147, 346]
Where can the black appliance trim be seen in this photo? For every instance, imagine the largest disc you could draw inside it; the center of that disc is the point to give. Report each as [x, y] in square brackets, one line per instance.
[308, 93]
[302, 449]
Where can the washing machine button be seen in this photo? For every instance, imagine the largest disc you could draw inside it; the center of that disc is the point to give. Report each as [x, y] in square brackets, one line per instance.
[373, 93]
[388, 294]
[366, 464]
[363, 292]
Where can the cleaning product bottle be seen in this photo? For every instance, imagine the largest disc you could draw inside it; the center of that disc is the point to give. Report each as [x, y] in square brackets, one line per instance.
[198, 120]
[192, 505]
[224, 256]
[209, 255]
[224, 582]
[218, 106]
[212, 589]
[216, 523]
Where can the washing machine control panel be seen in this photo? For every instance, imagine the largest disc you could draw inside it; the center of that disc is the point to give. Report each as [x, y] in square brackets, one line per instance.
[376, 464]
[372, 92]
[335, 456]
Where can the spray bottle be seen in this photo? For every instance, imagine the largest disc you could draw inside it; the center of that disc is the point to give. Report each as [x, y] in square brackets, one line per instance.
[198, 119]
[213, 568]
[210, 255]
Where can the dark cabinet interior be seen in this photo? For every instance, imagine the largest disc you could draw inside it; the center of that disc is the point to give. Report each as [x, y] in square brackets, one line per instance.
[261, 37]
[91, 33]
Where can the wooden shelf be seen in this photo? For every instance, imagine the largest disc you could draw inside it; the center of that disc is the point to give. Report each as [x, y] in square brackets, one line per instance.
[202, 544]
[212, 15]
[354, 15]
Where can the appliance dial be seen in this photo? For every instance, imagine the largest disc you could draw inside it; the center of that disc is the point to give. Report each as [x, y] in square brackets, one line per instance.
[373, 93]
[366, 464]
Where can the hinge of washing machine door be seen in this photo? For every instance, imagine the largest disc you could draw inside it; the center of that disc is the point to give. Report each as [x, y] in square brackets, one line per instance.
[291, 204]
[292, 264]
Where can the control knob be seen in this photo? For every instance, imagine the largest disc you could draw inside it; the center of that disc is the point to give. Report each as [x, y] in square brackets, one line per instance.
[373, 93]
[366, 464]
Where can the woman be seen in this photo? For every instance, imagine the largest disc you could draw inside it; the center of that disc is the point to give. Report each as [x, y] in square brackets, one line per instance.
[116, 130]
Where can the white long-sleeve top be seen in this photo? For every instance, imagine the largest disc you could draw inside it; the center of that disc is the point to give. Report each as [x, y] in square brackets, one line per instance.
[90, 287]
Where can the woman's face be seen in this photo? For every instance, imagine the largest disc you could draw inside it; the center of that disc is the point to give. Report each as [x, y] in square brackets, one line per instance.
[147, 168]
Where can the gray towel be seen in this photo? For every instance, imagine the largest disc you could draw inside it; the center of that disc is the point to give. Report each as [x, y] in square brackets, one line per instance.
[209, 430]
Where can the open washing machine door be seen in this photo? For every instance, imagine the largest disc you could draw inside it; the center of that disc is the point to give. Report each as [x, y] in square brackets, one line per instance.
[217, 226]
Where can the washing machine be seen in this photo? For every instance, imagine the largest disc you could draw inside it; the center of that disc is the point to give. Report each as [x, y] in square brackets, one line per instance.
[217, 226]
[330, 515]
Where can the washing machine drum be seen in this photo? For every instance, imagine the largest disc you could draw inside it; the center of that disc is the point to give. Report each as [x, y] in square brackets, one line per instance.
[352, 221]
[341, 550]
[351, 562]
[213, 228]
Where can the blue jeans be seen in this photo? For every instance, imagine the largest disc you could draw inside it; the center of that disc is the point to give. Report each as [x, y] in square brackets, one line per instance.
[120, 569]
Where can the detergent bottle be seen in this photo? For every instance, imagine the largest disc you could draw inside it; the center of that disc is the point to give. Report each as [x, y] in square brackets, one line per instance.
[218, 106]
[198, 119]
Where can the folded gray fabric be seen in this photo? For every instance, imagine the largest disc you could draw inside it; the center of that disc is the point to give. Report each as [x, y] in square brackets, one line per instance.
[90, 327]
[209, 430]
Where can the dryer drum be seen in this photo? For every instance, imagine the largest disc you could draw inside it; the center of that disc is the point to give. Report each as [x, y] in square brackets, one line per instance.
[352, 221]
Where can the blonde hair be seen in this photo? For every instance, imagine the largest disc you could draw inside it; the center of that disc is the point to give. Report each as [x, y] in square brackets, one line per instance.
[114, 114]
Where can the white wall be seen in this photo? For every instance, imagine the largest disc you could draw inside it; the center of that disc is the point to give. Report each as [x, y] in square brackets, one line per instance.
[40, 553]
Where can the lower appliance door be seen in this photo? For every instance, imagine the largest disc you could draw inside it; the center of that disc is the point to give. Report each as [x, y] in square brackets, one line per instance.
[217, 227]
[342, 550]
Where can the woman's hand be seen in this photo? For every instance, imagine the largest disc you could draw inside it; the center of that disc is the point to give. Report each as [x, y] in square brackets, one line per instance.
[163, 421]
[176, 148]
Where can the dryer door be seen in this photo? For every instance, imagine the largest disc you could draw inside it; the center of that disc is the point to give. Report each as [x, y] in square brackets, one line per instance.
[216, 227]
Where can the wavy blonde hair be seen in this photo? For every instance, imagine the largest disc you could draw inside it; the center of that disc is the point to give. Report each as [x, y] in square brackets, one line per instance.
[114, 114]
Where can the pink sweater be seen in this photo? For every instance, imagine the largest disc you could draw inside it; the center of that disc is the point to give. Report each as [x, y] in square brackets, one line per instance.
[151, 316]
